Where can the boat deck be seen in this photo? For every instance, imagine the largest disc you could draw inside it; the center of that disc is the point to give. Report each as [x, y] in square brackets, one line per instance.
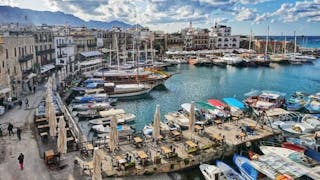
[233, 134]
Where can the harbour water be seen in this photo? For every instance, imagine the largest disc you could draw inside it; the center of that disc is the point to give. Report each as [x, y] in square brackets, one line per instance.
[201, 83]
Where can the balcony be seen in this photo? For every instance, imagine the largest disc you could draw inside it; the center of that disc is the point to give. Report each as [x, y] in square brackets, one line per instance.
[62, 55]
[91, 45]
[62, 45]
[26, 58]
[48, 51]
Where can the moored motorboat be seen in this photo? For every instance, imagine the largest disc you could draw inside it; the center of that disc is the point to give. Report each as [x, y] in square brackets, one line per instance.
[245, 167]
[313, 105]
[211, 172]
[122, 129]
[289, 145]
[230, 173]
[90, 106]
[296, 102]
[296, 128]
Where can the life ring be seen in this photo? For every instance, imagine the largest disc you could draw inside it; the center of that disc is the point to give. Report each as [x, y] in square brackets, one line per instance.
[280, 138]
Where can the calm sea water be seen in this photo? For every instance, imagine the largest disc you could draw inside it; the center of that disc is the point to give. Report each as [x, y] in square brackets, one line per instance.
[202, 83]
[303, 41]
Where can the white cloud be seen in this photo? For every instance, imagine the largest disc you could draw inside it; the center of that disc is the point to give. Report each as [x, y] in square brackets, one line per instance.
[309, 10]
[244, 14]
[8, 3]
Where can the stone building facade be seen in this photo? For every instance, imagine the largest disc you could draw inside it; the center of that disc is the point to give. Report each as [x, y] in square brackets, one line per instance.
[17, 63]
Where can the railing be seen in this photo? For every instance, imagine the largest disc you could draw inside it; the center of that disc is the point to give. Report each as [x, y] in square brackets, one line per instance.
[62, 55]
[73, 125]
[62, 45]
[91, 45]
[48, 51]
[26, 58]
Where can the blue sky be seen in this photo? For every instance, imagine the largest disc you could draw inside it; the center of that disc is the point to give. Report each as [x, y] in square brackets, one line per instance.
[283, 16]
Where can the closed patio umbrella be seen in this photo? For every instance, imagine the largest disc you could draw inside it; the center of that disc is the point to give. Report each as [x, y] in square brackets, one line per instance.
[156, 123]
[97, 164]
[192, 118]
[62, 136]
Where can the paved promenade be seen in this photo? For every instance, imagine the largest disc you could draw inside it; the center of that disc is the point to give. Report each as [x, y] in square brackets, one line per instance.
[11, 147]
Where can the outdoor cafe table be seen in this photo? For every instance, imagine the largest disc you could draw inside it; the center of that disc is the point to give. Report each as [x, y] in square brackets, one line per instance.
[142, 155]
[175, 133]
[166, 150]
[137, 140]
[191, 144]
[216, 137]
[121, 160]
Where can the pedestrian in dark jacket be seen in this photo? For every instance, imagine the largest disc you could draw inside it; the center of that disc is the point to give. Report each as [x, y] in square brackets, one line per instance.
[34, 89]
[10, 129]
[19, 133]
[20, 103]
[21, 158]
[27, 103]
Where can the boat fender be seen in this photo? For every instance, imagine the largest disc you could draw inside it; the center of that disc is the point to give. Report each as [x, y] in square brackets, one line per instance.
[248, 144]
[280, 138]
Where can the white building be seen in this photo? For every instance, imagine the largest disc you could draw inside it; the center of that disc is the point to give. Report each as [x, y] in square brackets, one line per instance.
[64, 51]
[220, 38]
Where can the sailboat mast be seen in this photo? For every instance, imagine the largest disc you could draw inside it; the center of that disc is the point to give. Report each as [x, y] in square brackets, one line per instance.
[151, 51]
[295, 42]
[250, 39]
[274, 46]
[266, 50]
[285, 45]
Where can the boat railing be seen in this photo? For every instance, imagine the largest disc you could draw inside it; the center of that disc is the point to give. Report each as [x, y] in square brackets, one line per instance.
[74, 127]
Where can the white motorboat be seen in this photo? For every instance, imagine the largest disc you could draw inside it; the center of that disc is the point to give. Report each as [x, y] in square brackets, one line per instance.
[178, 118]
[296, 128]
[91, 106]
[122, 129]
[121, 119]
[211, 172]
[231, 59]
[127, 90]
[312, 121]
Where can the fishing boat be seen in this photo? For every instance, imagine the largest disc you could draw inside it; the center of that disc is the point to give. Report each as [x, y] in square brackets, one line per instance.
[122, 129]
[315, 155]
[294, 147]
[211, 172]
[229, 173]
[121, 119]
[231, 59]
[236, 107]
[296, 102]
[296, 128]
[294, 156]
[265, 100]
[178, 118]
[245, 167]
[313, 105]
[90, 106]
[267, 170]
[126, 90]
[280, 164]
[309, 141]
[164, 128]
[312, 121]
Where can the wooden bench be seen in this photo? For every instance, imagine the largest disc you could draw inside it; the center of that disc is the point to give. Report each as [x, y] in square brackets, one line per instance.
[43, 126]
[40, 120]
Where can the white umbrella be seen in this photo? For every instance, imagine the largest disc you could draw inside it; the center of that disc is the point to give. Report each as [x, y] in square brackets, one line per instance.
[156, 123]
[54, 82]
[62, 136]
[52, 120]
[113, 137]
[97, 164]
[192, 117]
[48, 102]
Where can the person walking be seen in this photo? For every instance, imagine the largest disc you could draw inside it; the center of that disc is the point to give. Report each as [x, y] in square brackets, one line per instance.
[21, 158]
[34, 89]
[20, 103]
[19, 133]
[10, 129]
[27, 103]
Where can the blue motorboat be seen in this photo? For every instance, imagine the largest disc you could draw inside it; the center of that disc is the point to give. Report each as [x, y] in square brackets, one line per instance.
[313, 104]
[246, 169]
[234, 103]
[296, 101]
[230, 173]
[312, 154]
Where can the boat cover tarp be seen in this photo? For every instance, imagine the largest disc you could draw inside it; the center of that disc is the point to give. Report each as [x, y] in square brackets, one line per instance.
[312, 154]
[234, 102]
[216, 103]
[111, 112]
[187, 107]
[204, 105]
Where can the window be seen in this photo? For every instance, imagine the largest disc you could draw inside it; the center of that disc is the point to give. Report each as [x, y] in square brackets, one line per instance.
[7, 55]
[19, 52]
[15, 52]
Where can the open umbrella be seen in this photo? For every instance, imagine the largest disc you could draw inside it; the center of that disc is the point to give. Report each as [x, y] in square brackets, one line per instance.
[156, 123]
[192, 117]
[54, 82]
[97, 164]
[62, 136]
